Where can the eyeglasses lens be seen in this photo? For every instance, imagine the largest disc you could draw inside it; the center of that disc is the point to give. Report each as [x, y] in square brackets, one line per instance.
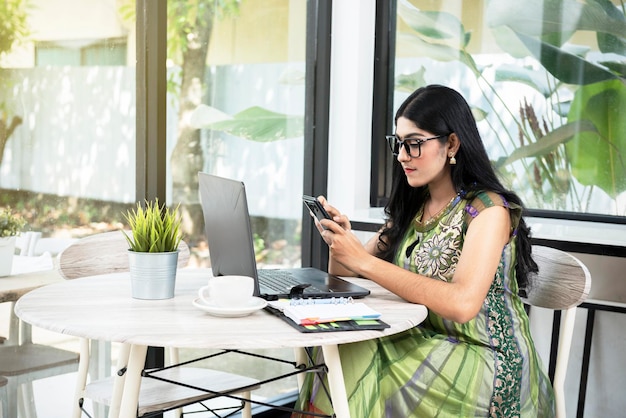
[413, 149]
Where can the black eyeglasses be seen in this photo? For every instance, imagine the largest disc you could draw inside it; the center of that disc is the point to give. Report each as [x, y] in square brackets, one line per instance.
[412, 146]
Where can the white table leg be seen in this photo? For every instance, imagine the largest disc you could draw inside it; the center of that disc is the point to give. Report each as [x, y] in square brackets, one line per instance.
[247, 407]
[336, 384]
[100, 368]
[132, 383]
[301, 360]
[118, 382]
[81, 378]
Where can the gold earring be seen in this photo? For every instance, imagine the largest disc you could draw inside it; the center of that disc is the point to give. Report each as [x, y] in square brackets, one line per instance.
[452, 159]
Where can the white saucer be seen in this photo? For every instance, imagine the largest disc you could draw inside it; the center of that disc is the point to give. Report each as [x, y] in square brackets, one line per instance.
[228, 312]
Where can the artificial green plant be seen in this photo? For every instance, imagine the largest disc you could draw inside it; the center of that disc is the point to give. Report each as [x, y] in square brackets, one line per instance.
[154, 229]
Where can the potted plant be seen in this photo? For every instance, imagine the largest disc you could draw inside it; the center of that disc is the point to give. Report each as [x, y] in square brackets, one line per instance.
[11, 225]
[155, 234]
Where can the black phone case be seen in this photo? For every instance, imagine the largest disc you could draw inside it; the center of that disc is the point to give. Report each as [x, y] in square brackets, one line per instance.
[316, 207]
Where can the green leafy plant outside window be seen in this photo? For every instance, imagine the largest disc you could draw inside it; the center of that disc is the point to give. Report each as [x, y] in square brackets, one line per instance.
[578, 144]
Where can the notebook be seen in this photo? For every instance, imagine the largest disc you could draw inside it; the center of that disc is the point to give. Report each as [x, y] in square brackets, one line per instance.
[231, 249]
[327, 315]
[303, 313]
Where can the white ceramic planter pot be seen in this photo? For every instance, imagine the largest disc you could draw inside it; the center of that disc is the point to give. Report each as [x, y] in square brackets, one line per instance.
[7, 250]
[153, 275]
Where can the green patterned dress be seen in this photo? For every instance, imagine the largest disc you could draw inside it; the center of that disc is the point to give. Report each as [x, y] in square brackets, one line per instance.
[487, 367]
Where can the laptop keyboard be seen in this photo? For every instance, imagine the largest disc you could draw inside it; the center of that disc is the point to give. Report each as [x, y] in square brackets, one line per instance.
[281, 281]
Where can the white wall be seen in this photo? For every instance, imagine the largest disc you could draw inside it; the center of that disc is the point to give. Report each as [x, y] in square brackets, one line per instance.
[351, 105]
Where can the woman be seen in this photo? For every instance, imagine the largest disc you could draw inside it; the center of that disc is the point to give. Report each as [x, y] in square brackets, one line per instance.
[454, 240]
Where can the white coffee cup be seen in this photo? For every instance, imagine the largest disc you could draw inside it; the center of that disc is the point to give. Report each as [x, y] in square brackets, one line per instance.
[227, 291]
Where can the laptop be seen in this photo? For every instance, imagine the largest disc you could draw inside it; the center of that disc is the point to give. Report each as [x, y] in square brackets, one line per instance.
[229, 235]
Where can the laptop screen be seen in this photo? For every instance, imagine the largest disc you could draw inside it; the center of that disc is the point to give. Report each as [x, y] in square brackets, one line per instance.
[227, 227]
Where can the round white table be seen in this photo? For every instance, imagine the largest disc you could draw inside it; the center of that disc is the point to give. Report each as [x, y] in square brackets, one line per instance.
[101, 308]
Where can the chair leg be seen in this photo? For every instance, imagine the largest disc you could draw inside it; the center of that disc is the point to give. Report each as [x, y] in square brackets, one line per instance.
[565, 342]
[4, 399]
[14, 328]
[28, 401]
[99, 368]
[11, 400]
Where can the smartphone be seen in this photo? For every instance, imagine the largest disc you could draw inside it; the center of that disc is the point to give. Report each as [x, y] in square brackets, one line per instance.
[315, 207]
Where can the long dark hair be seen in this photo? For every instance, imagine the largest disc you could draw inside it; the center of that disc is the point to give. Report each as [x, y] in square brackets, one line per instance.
[441, 110]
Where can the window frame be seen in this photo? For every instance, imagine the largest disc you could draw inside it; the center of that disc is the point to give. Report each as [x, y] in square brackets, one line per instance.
[314, 251]
[382, 103]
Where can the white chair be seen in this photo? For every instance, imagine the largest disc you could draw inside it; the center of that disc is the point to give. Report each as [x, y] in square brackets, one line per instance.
[562, 283]
[107, 253]
[52, 245]
[102, 253]
[25, 243]
[32, 244]
[22, 362]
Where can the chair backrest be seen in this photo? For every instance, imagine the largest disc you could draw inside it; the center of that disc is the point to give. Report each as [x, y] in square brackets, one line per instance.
[562, 283]
[25, 243]
[32, 244]
[102, 253]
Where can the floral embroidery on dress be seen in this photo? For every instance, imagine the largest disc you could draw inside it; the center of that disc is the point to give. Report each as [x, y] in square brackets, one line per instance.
[508, 359]
[438, 256]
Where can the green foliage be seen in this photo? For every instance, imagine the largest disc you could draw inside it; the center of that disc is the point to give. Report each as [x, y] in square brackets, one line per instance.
[185, 19]
[554, 151]
[155, 229]
[598, 156]
[261, 125]
[258, 243]
[10, 223]
[13, 23]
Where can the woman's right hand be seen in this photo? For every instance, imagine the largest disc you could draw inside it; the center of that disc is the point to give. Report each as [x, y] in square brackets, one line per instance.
[335, 214]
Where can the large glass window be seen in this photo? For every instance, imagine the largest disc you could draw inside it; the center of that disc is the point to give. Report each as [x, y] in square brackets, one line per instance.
[240, 115]
[236, 109]
[67, 135]
[67, 100]
[546, 82]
